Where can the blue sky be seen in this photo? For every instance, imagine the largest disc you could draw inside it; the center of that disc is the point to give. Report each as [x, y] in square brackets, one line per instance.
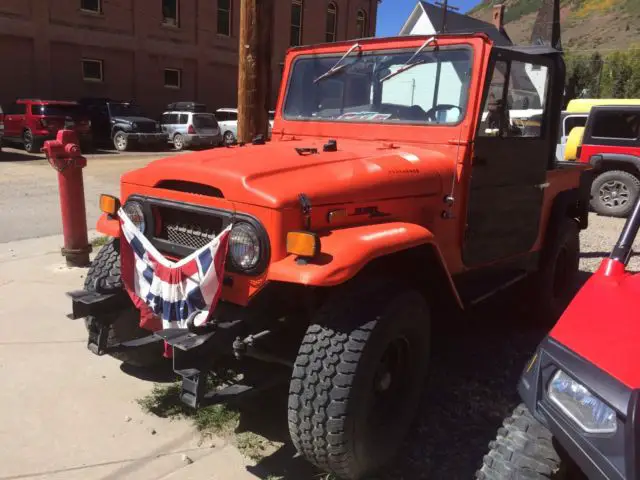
[393, 13]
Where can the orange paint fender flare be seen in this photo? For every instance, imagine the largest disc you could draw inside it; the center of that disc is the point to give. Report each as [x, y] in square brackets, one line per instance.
[345, 252]
[108, 225]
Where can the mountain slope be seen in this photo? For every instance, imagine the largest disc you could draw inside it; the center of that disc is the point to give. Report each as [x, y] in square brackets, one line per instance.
[586, 24]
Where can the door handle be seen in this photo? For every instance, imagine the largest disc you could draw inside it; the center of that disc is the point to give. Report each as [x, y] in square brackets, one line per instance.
[542, 186]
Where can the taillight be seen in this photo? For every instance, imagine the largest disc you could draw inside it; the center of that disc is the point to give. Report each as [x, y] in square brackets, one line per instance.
[191, 130]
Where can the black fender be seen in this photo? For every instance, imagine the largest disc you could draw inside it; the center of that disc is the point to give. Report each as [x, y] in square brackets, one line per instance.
[600, 160]
[118, 128]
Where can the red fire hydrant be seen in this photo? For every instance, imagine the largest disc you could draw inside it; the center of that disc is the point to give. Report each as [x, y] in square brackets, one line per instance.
[65, 157]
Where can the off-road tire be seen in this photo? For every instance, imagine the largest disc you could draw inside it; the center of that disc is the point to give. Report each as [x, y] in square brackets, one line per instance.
[120, 141]
[178, 142]
[631, 184]
[555, 284]
[335, 372]
[104, 275]
[524, 450]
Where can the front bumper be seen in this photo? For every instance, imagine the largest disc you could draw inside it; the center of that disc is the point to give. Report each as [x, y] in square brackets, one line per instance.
[600, 456]
[148, 137]
[202, 140]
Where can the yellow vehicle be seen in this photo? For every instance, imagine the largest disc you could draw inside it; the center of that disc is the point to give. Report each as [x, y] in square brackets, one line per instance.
[584, 105]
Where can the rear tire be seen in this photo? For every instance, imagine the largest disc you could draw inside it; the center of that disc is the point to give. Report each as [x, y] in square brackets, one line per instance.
[555, 284]
[614, 193]
[357, 379]
[178, 142]
[104, 275]
[31, 145]
[524, 450]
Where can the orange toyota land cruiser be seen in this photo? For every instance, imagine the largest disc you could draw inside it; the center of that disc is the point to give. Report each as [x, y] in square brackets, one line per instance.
[398, 184]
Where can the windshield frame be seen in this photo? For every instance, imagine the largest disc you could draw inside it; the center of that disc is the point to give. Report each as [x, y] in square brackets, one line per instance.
[385, 51]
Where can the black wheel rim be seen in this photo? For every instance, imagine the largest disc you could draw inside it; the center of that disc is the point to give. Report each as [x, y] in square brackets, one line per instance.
[389, 386]
[614, 194]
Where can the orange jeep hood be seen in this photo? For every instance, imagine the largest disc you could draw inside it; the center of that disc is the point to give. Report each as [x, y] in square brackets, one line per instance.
[273, 175]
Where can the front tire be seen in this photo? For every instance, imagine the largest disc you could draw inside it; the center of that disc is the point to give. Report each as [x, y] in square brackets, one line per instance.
[524, 450]
[121, 141]
[229, 138]
[614, 193]
[357, 380]
[104, 275]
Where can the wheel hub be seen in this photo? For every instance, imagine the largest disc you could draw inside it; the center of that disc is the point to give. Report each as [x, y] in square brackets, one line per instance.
[614, 194]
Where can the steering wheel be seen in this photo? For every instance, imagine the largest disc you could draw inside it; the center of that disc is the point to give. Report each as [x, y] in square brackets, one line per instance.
[431, 113]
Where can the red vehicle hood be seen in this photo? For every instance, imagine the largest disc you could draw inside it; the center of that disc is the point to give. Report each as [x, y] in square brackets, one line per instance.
[273, 175]
[602, 324]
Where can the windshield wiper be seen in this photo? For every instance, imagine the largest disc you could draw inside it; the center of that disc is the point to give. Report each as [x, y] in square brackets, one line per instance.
[407, 65]
[338, 66]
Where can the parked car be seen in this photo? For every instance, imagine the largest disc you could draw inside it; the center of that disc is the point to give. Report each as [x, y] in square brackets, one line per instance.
[228, 121]
[347, 240]
[31, 122]
[610, 142]
[122, 124]
[188, 124]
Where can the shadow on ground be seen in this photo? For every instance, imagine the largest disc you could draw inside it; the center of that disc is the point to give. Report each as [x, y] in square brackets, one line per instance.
[7, 156]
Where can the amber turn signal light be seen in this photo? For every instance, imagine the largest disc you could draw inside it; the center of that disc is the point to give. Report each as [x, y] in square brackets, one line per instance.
[109, 204]
[303, 244]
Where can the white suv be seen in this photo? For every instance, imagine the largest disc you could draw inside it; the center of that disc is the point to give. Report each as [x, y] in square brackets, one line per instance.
[228, 121]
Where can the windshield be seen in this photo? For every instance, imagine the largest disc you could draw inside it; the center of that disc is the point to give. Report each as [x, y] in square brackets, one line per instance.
[433, 90]
[204, 121]
[125, 110]
[56, 110]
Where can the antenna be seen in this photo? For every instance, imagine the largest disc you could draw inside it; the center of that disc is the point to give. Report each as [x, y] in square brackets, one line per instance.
[444, 4]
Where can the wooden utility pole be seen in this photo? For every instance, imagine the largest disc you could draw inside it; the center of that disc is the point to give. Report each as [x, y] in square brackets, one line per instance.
[254, 68]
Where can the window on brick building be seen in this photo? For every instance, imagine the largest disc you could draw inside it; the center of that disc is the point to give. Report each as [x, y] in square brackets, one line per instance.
[172, 78]
[170, 12]
[361, 24]
[332, 22]
[94, 6]
[92, 70]
[296, 22]
[224, 17]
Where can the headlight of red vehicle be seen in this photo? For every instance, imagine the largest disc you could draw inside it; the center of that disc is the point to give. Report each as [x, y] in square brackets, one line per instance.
[574, 399]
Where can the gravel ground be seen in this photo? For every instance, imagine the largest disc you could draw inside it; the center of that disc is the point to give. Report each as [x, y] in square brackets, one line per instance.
[471, 388]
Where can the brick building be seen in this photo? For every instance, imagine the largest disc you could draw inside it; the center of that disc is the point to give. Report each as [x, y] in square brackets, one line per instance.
[154, 51]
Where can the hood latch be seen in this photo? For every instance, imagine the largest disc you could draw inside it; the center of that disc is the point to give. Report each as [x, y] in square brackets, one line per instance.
[305, 205]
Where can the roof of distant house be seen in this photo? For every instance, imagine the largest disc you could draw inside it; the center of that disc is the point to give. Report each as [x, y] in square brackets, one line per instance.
[456, 23]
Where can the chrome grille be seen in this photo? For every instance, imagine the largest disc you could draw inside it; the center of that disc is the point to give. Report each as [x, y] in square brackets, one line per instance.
[189, 235]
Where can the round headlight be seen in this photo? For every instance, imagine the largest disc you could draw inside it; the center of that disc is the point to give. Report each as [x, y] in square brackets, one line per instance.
[135, 214]
[244, 246]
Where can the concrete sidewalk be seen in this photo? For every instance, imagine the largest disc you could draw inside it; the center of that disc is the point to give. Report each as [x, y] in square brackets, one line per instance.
[67, 414]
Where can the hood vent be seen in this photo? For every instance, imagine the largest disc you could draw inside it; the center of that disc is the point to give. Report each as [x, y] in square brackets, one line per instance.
[190, 187]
